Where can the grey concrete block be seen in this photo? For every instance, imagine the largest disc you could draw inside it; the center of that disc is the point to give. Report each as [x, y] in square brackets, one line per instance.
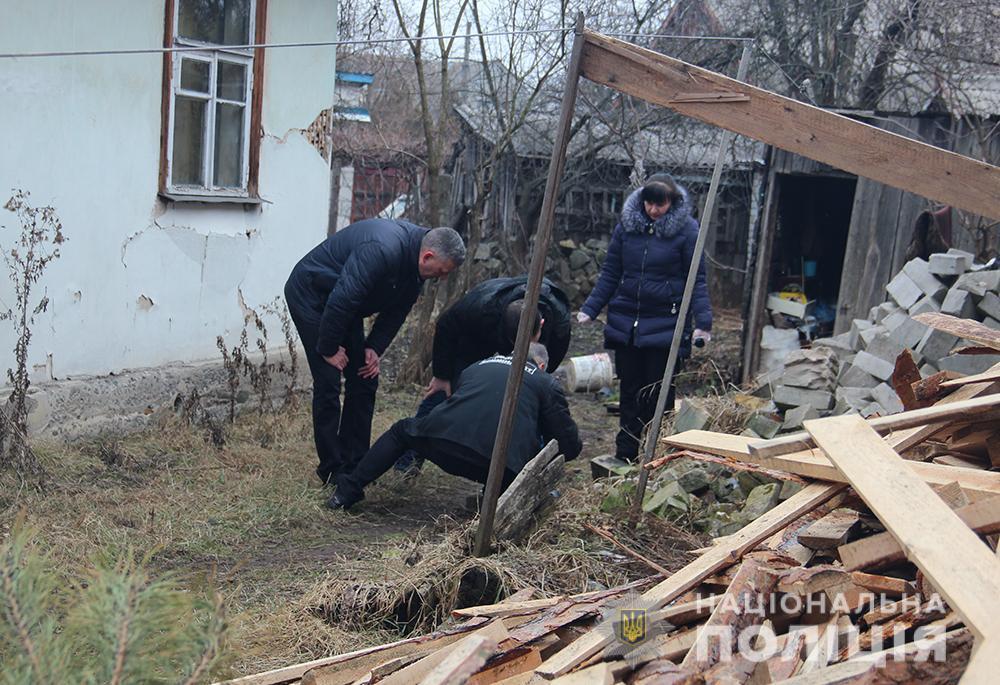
[888, 398]
[884, 347]
[858, 325]
[879, 368]
[919, 272]
[959, 303]
[949, 264]
[872, 409]
[884, 310]
[789, 396]
[690, 417]
[990, 305]
[764, 426]
[979, 282]
[839, 344]
[796, 415]
[990, 322]
[968, 364]
[872, 313]
[904, 291]
[928, 370]
[968, 255]
[936, 344]
[908, 333]
[895, 319]
[925, 304]
[866, 336]
[852, 376]
[852, 399]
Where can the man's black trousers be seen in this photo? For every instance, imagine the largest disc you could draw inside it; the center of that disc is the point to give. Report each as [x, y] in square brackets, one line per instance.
[640, 374]
[342, 438]
[453, 458]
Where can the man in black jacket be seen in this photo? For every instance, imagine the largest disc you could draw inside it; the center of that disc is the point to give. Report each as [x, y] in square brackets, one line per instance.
[372, 266]
[458, 434]
[484, 323]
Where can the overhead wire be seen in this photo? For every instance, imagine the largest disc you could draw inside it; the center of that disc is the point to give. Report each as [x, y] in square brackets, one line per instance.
[333, 43]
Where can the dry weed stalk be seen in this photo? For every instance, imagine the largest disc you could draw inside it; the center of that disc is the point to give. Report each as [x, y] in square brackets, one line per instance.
[38, 244]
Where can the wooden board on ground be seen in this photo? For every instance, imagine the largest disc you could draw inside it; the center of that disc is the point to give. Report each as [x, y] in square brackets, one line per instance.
[717, 557]
[882, 549]
[965, 409]
[963, 570]
[494, 632]
[469, 656]
[814, 464]
[831, 530]
[355, 664]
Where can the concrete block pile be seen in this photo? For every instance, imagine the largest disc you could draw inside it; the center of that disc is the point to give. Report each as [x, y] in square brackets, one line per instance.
[852, 372]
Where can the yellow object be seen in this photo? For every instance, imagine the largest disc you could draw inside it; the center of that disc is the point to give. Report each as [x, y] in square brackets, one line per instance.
[793, 293]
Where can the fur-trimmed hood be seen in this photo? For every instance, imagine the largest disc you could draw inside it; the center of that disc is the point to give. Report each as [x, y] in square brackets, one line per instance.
[634, 219]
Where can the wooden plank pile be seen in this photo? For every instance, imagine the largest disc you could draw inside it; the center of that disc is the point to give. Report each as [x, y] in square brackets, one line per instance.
[881, 569]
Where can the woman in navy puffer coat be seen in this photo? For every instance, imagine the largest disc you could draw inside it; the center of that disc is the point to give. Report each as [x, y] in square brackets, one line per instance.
[642, 283]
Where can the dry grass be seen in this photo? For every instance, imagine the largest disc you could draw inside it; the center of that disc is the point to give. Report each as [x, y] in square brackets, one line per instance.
[300, 581]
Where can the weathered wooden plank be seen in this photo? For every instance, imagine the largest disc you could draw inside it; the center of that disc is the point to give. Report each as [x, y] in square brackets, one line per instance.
[814, 464]
[735, 546]
[831, 530]
[963, 570]
[357, 663]
[469, 656]
[962, 328]
[494, 633]
[986, 376]
[869, 252]
[791, 125]
[882, 549]
[965, 409]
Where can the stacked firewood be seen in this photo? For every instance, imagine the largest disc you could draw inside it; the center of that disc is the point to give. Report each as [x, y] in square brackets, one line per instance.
[882, 569]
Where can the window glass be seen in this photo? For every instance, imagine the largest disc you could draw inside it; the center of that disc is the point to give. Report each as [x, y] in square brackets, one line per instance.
[195, 75]
[223, 22]
[228, 146]
[189, 136]
[232, 79]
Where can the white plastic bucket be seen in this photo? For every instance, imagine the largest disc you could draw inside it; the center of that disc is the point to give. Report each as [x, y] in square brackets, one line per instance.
[589, 373]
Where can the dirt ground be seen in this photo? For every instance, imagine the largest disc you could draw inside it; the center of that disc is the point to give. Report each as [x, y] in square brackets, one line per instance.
[301, 581]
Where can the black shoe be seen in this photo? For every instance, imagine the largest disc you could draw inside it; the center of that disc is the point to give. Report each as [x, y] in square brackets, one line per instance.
[336, 503]
[338, 500]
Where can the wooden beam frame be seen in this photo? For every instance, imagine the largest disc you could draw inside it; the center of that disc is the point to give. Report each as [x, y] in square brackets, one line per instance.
[794, 126]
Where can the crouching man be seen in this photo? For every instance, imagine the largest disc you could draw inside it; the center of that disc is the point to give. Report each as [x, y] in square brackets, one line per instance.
[459, 433]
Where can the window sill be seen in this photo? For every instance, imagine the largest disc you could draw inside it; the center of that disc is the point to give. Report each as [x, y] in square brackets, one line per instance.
[212, 199]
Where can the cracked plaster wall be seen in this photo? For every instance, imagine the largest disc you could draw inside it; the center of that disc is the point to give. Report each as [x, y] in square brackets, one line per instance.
[141, 282]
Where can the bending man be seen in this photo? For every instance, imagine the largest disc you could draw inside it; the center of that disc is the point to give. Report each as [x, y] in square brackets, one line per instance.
[372, 266]
[458, 434]
[483, 323]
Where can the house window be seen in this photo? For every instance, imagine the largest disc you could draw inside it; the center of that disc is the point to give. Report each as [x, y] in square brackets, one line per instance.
[209, 142]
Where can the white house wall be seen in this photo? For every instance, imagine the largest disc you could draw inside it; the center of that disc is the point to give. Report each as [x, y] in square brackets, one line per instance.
[142, 282]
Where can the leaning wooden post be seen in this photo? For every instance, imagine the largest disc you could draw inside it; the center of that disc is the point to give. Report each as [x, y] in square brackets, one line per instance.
[653, 433]
[498, 461]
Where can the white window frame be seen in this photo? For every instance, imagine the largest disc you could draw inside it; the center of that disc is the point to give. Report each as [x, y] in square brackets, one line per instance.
[213, 57]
